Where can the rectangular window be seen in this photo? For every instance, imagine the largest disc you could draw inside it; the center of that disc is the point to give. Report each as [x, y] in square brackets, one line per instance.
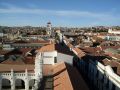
[55, 59]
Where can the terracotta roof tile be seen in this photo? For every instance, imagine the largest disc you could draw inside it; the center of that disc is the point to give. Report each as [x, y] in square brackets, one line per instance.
[70, 45]
[65, 78]
[29, 60]
[47, 48]
[91, 49]
[76, 79]
[47, 69]
[20, 61]
[8, 67]
[113, 64]
[20, 51]
[64, 75]
[61, 78]
[56, 47]
[114, 47]
[33, 41]
[17, 62]
[79, 52]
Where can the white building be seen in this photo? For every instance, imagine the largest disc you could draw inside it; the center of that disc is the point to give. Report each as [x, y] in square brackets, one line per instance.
[48, 29]
[28, 77]
[114, 31]
[55, 53]
[21, 77]
[112, 38]
[101, 76]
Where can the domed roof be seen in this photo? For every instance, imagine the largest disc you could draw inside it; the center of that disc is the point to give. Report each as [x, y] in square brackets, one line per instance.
[49, 22]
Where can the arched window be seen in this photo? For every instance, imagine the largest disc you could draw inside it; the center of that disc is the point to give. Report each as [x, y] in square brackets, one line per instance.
[19, 84]
[6, 84]
[31, 83]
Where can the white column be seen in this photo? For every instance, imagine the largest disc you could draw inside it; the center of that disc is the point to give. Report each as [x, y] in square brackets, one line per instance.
[38, 66]
[12, 80]
[38, 69]
[36, 84]
[26, 80]
[26, 85]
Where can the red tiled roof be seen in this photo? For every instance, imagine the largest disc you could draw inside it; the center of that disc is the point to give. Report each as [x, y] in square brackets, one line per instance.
[65, 78]
[12, 62]
[59, 48]
[25, 50]
[29, 60]
[8, 67]
[33, 41]
[18, 51]
[114, 47]
[47, 69]
[70, 45]
[91, 49]
[63, 74]
[21, 41]
[116, 56]
[20, 61]
[80, 52]
[76, 79]
[113, 64]
[47, 48]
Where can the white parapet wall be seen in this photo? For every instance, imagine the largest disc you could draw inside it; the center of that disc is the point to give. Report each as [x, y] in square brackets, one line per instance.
[49, 57]
[108, 71]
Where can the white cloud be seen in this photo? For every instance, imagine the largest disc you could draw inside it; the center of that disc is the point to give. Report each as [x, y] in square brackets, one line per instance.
[65, 13]
[7, 5]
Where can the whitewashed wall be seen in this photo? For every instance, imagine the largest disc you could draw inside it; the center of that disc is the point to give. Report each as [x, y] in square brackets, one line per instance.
[64, 57]
[48, 57]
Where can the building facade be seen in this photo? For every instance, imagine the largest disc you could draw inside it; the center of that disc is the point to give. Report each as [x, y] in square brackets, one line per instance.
[99, 75]
[114, 31]
[22, 80]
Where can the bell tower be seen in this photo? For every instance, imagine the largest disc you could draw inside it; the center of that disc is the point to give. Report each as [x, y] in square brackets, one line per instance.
[48, 29]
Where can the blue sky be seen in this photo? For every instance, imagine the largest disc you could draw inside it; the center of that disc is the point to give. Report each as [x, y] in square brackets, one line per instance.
[70, 13]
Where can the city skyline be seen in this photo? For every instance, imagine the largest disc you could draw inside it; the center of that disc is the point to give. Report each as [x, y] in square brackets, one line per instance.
[61, 13]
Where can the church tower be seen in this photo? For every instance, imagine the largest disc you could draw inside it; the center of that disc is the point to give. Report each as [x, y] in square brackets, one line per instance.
[48, 29]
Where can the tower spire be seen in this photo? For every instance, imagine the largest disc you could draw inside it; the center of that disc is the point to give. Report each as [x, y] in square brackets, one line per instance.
[48, 29]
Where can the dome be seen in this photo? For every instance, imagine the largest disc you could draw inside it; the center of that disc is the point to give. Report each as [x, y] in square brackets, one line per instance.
[49, 23]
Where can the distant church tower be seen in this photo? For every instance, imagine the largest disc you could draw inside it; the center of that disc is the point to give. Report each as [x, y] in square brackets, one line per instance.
[48, 29]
